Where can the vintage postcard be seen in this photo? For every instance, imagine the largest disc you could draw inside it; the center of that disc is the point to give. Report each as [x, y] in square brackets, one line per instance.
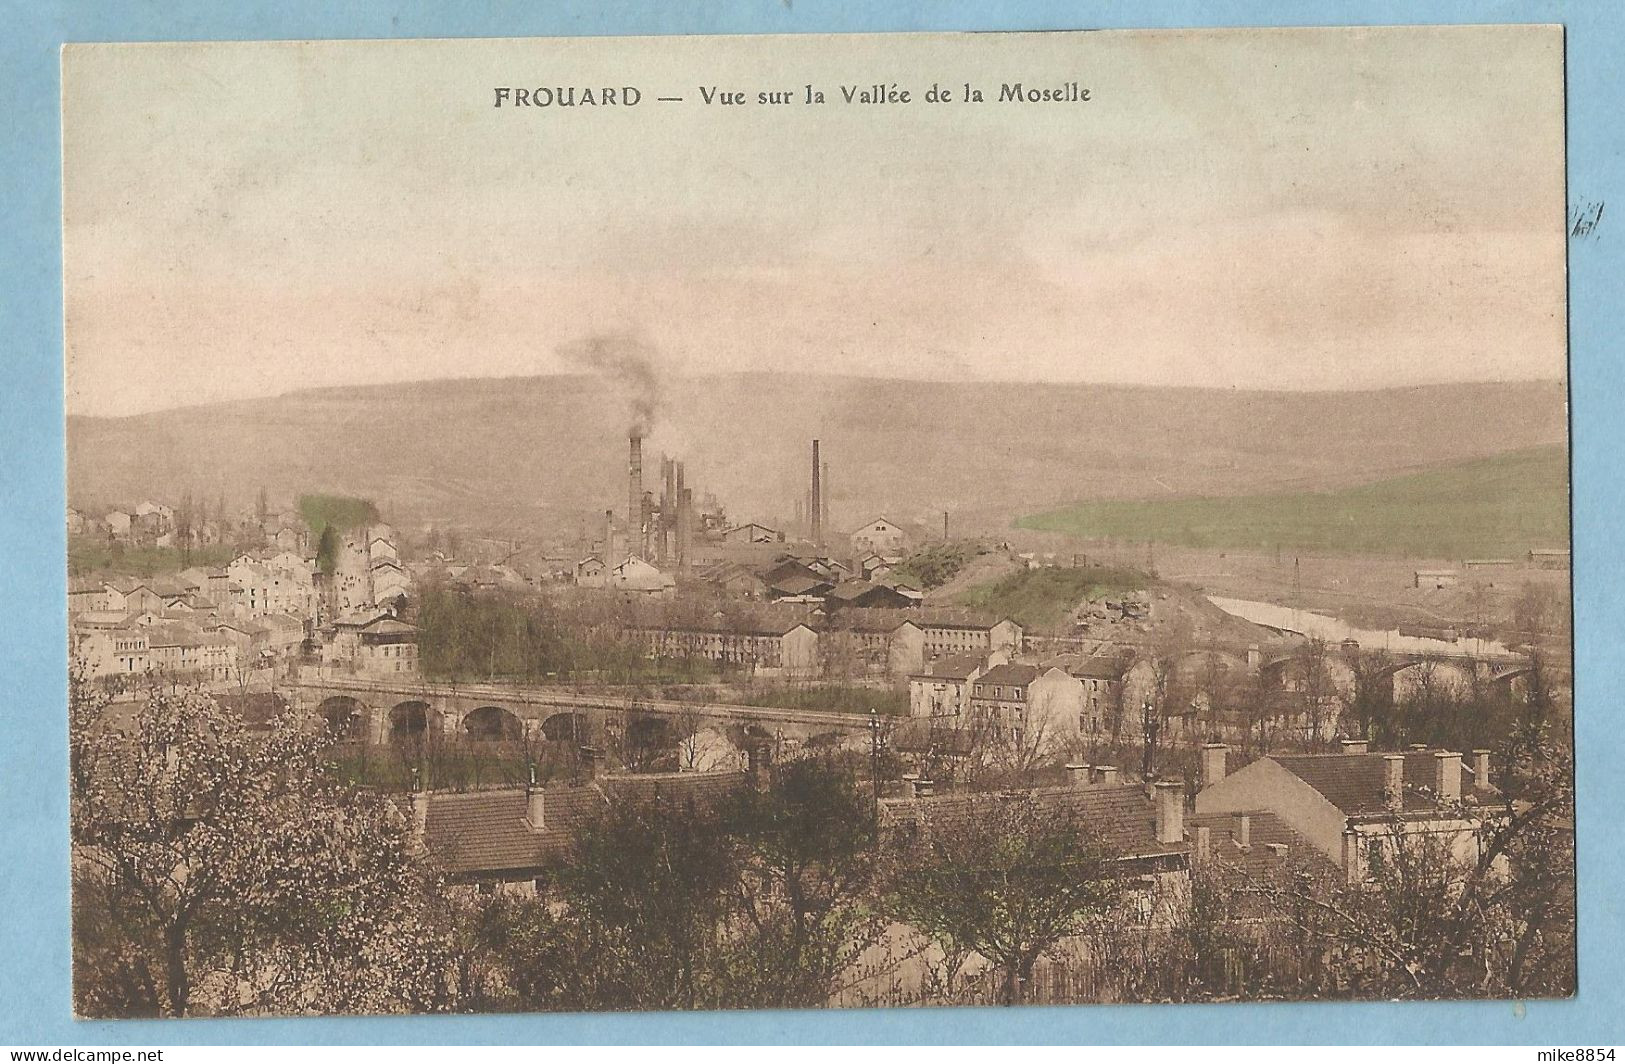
[827, 521]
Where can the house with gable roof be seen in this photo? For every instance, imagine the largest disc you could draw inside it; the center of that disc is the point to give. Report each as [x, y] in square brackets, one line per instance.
[1346, 804]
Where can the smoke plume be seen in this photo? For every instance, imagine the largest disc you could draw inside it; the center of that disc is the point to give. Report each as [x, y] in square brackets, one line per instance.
[631, 361]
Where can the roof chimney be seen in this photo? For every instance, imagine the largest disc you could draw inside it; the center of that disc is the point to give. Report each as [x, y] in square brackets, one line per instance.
[1481, 768]
[1447, 775]
[1244, 831]
[1393, 781]
[535, 803]
[1169, 796]
[1277, 849]
[1108, 775]
[1204, 844]
[420, 821]
[1356, 746]
[1077, 774]
[1213, 757]
[592, 762]
[1353, 871]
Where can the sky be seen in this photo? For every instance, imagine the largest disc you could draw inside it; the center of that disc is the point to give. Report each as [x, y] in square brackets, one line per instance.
[1285, 209]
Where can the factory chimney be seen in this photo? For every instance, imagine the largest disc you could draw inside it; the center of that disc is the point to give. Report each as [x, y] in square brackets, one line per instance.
[685, 531]
[817, 500]
[634, 498]
[823, 498]
[685, 521]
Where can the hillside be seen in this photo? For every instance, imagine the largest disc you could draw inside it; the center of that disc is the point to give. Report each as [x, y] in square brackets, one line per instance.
[509, 454]
[1484, 508]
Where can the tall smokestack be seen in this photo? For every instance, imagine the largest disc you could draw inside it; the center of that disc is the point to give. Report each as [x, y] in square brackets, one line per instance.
[634, 498]
[609, 537]
[823, 500]
[817, 500]
[668, 514]
[685, 526]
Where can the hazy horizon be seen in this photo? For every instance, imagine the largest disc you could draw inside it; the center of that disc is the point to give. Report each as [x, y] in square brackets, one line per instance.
[473, 379]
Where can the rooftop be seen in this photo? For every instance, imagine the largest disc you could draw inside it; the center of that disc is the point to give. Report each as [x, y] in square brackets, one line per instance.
[1354, 782]
[1124, 817]
[1010, 675]
[486, 833]
[953, 667]
[1264, 829]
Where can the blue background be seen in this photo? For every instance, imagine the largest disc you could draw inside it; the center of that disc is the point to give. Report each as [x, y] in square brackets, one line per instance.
[34, 988]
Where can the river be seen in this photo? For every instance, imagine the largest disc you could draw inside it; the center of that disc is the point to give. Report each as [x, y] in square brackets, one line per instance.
[1318, 625]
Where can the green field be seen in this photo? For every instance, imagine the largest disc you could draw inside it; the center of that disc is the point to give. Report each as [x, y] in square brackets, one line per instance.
[95, 556]
[1486, 508]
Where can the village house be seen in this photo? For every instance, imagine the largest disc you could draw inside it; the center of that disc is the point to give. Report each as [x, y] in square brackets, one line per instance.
[1345, 805]
[865, 595]
[752, 533]
[639, 577]
[372, 645]
[944, 688]
[206, 580]
[1142, 827]
[786, 647]
[507, 840]
[1100, 683]
[1037, 705]
[881, 537]
[804, 586]
[591, 572]
[86, 595]
[106, 649]
[873, 642]
[735, 580]
[185, 651]
[118, 524]
[280, 583]
[128, 595]
[956, 632]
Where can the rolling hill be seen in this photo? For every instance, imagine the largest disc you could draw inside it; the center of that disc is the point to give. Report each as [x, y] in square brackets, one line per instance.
[514, 455]
[1483, 508]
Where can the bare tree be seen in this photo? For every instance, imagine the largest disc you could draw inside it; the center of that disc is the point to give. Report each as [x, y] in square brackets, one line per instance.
[1001, 875]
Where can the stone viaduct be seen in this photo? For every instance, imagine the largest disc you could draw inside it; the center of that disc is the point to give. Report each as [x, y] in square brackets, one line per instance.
[406, 710]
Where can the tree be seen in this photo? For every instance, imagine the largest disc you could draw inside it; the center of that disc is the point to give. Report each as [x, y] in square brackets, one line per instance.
[226, 871]
[1370, 712]
[808, 865]
[327, 550]
[1001, 875]
[1317, 690]
[187, 524]
[645, 895]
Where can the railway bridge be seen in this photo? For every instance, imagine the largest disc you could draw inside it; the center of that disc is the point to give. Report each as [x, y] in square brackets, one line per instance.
[415, 710]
